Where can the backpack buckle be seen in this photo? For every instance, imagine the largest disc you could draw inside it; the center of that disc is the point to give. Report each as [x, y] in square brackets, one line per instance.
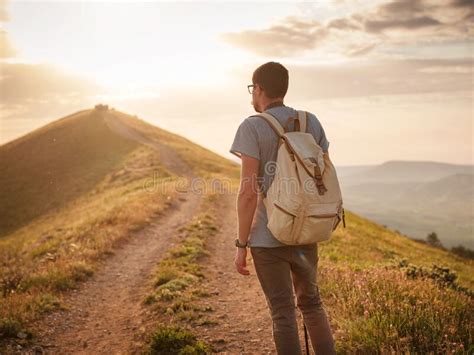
[320, 185]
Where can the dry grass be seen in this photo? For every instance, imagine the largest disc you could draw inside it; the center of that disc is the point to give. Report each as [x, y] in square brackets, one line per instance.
[204, 162]
[364, 244]
[59, 249]
[73, 190]
[44, 171]
[179, 281]
[54, 233]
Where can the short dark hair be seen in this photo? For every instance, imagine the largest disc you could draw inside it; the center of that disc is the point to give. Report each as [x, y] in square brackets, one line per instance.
[273, 78]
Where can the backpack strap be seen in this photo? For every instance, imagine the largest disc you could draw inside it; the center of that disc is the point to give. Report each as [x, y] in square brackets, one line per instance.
[299, 122]
[296, 124]
[303, 119]
[273, 122]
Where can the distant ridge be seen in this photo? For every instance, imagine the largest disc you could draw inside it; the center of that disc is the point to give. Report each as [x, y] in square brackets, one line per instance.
[407, 171]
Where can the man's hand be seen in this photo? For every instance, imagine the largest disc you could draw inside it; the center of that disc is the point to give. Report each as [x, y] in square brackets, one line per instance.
[240, 261]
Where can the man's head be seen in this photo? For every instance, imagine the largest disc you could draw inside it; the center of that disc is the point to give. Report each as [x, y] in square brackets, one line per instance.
[270, 84]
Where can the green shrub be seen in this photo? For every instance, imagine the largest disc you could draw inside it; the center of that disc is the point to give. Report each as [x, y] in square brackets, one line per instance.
[176, 340]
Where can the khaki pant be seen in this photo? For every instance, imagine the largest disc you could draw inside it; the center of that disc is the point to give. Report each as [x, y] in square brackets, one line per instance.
[278, 270]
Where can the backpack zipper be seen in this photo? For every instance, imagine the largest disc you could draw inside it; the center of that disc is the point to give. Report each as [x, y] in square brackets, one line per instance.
[323, 215]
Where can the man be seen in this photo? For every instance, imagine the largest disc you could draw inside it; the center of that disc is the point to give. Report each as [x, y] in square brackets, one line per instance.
[279, 267]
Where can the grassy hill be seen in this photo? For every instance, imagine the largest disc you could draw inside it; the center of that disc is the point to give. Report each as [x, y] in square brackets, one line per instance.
[54, 165]
[70, 191]
[65, 159]
[203, 161]
[74, 188]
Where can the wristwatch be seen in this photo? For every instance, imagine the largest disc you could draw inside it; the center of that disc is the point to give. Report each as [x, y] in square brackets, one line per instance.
[237, 244]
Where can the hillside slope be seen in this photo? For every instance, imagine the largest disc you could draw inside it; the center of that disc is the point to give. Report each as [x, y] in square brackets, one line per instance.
[57, 163]
[383, 290]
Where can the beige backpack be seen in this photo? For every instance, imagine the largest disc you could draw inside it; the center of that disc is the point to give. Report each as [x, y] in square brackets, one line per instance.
[304, 201]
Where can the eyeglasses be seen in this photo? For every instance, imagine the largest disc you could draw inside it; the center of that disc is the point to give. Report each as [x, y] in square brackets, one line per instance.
[251, 88]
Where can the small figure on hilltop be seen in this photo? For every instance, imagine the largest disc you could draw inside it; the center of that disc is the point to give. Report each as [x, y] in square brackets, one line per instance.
[101, 107]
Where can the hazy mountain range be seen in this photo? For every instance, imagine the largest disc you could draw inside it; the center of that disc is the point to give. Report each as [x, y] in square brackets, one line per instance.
[414, 197]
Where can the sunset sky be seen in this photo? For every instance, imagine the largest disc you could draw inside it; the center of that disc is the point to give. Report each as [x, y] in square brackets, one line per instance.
[389, 80]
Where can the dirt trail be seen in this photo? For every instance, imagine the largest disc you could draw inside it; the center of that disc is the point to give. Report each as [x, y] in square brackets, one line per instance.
[244, 322]
[168, 156]
[105, 313]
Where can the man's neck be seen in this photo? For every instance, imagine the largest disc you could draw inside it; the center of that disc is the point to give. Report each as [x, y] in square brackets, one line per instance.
[274, 104]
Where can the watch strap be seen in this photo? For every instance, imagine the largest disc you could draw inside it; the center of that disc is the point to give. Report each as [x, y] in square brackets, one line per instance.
[238, 244]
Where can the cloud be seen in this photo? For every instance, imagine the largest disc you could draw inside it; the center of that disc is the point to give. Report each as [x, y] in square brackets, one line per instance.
[288, 38]
[17, 81]
[400, 8]
[408, 24]
[361, 50]
[3, 11]
[394, 22]
[384, 77]
[439, 17]
[29, 90]
[6, 48]
[364, 78]
[461, 3]
[410, 19]
[344, 24]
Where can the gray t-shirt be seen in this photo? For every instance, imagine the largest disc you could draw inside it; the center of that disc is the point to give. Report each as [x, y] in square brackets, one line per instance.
[256, 138]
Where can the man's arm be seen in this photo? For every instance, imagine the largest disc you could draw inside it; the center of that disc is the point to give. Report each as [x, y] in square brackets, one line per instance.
[247, 197]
